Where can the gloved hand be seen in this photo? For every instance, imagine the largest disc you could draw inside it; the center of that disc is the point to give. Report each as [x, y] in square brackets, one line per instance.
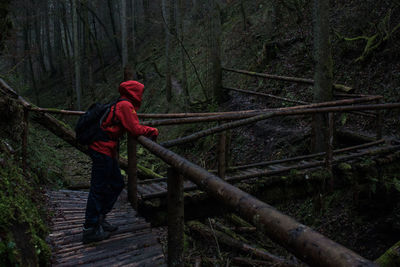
[153, 135]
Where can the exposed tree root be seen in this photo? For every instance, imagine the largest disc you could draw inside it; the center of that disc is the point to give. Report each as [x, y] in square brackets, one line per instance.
[377, 40]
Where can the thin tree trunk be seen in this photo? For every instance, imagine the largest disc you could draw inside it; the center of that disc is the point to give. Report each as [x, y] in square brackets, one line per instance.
[146, 12]
[111, 9]
[76, 56]
[168, 86]
[323, 71]
[87, 58]
[124, 33]
[58, 49]
[48, 34]
[133, 42]
[218, 91]
[30, 63]
[181, 15]
[38, 41]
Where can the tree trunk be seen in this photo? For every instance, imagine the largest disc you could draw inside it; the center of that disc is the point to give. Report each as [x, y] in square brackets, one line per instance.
[323, 71]
[133, 41]
[58, 47]
[27, 35]
[77, 64]
[87, 58]
[181, 15]
[168, 85]
[48, 39]
[38, 41]
[110, 9]
[219, 94]
[146, 12]
[124, 43]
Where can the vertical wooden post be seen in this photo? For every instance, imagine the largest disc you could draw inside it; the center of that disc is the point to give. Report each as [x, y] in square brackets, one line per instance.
[379, 122]
[175, 218]
[25, 140]
[132, 172]
[222, 155]
[329, 150]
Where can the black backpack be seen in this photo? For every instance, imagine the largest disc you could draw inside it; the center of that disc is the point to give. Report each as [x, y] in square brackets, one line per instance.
[88, 128]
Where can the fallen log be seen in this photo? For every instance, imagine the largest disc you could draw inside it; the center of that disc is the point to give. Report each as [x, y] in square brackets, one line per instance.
[266, 95]
[290, 100]
[391, 258]
[238, 221]
[338, 87]
[350, 137]
[236, 244]
[359, 99]
[256, 118]
[234, 115]
[238, 261]
[244, 229]
[299, 158]
[6, 89]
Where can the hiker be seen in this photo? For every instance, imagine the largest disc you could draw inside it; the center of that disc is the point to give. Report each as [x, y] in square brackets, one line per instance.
[106, 179]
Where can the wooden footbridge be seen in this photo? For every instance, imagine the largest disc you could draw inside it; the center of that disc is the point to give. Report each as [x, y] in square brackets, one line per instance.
[135, 244]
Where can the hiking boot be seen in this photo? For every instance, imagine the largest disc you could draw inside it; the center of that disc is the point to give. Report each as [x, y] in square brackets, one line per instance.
[106, 225]
[94, 234]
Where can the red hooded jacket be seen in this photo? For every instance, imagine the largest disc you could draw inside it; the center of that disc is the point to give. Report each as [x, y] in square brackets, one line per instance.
[125, 114]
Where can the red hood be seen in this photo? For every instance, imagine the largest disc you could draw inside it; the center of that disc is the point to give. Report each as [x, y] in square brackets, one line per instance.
[133, 91]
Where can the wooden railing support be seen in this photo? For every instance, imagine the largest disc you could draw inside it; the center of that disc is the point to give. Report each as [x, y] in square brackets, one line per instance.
[132, 172]
[379, 122]
[175, 218]
[25, 140]
[329, 149]
[222, 155]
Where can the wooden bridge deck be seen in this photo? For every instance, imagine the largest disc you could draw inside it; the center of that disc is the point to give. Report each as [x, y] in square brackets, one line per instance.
[135, 243]
[157, 188]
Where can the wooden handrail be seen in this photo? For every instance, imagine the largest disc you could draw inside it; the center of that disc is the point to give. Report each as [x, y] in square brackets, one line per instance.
[259, 117]
[305, 243]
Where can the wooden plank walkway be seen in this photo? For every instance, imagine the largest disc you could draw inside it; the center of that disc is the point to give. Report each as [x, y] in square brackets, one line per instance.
[135, 243]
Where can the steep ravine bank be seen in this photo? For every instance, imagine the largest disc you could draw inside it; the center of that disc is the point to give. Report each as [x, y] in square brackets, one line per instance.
[22, 204]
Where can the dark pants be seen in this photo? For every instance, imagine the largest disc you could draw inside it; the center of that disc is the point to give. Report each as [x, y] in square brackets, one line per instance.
[105, 186]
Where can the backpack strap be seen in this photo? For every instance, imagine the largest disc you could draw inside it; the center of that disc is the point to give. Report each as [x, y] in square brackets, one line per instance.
[113, 121]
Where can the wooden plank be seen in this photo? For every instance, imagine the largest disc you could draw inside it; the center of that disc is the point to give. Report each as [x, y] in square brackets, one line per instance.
[133, 243]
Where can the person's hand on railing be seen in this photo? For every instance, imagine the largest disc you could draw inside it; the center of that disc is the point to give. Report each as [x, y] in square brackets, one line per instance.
[153, 135]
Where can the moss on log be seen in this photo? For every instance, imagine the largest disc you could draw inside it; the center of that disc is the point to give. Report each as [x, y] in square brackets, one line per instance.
[391, 258]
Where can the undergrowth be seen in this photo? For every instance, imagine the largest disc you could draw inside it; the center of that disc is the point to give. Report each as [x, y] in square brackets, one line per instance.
[22, 227]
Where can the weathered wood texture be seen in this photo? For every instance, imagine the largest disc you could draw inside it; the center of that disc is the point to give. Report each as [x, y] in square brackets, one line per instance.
[305, 243]
[175, 219]
[133, 244]
[157, 188]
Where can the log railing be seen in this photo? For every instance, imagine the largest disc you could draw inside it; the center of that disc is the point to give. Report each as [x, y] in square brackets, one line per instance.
[308, 245]
[305, 243]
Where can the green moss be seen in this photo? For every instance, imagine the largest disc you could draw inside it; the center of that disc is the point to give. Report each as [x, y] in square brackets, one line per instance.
[344, 166]
[390, 258]
[22, 229]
